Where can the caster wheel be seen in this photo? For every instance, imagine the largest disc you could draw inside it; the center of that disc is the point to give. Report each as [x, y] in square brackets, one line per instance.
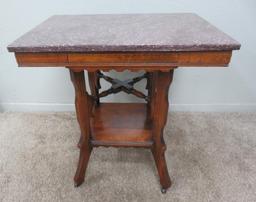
[77, 184]
[163, 191]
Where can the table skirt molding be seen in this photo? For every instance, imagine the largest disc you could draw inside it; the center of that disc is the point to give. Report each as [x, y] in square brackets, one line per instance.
[136, 61]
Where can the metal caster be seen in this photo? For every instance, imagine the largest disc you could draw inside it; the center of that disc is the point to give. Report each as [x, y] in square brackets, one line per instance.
[163, 191]
[77, 184]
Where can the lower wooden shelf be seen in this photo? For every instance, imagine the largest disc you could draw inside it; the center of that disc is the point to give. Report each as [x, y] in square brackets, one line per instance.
[120, 125]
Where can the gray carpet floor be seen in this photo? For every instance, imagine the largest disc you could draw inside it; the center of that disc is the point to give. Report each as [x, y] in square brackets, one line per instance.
[211, 157]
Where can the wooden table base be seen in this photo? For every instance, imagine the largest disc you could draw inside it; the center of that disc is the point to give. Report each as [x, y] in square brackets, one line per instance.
[122, 124]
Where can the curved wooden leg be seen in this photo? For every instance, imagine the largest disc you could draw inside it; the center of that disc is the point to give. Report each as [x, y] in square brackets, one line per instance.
[94, 83]
[161, 165]
[82, 102]
[82, 165]
[161, 83]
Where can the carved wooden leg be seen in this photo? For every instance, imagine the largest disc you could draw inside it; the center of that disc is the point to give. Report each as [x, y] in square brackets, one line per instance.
[82, 102]
[94, 85]
[161, 85]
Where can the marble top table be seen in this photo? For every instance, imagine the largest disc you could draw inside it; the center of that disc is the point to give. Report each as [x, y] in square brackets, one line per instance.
[155, 43]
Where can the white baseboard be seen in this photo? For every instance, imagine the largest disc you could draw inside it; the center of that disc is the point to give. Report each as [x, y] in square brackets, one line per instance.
[248, 107]
[38, 107]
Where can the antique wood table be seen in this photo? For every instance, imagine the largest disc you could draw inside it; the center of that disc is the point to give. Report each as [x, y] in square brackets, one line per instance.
[155, 43]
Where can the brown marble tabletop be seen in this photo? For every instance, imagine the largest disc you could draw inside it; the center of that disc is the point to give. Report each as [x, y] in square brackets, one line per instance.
[127, 32]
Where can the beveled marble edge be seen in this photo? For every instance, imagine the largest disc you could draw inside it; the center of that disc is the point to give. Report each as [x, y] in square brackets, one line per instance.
[123, 48]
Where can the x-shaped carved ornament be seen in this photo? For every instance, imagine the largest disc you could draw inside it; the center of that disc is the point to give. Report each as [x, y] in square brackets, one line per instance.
[126, 86]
